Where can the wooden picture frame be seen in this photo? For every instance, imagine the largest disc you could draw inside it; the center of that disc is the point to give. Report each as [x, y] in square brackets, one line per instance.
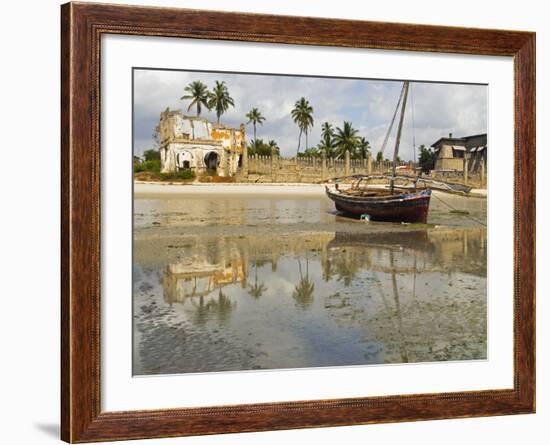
[82, 26]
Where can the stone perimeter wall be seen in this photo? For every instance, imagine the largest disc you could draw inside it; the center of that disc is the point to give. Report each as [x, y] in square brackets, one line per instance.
[260, 169]
[309, 169]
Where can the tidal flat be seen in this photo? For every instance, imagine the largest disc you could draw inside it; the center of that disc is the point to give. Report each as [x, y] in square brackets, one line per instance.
[231, 278]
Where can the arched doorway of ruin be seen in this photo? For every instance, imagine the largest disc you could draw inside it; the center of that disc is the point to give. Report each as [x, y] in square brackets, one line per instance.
[211, 160]
[184, 160]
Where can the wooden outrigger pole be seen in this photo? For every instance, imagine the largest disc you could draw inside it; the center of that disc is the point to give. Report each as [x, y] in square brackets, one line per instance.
[398, 137]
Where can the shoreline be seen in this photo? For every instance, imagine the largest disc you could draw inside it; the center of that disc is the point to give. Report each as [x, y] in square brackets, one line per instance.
[149, 188]
[159, 188]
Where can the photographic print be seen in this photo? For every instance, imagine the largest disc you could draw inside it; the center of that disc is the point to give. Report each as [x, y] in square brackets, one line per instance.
[326, 217]
[285, 221]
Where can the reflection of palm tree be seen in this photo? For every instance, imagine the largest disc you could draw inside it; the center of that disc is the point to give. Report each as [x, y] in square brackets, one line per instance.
[257, 289]
[346, 272]
[303, 291]
[346, 267]
[221, 307]
[327, 271]
[201, 311]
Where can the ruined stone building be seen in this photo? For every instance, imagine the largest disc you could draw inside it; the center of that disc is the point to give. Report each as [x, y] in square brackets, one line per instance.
[191, 142]
[450, 153]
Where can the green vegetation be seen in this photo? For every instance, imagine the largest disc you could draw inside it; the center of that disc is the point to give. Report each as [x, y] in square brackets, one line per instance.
[311, 152]
[198, 94]
[185, 175]
[147, 166]
[346, 139]
[335, 143]
[254, 117]
[327, 140]
[426, 159]
[151, 155]
[260, 148]
[149, 170]
[219, 99]
[302, 115]
[363, 148]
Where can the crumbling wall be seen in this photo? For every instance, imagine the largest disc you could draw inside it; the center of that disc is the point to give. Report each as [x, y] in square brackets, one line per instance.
[186, 140]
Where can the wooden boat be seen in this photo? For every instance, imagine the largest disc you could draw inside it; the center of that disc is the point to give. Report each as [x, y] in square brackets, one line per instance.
[410, 205]
[379, 205]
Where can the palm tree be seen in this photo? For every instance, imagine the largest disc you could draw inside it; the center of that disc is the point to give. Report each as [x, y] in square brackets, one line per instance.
[327, 139]
[363, 147]
[303, 291]
[254, 117]
[219, 99]
[302, 115]
[345, 139]
[273, 147]
[198, 93]
[311, 152]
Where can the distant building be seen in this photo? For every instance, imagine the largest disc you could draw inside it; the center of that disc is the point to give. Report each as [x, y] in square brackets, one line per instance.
[190, 142]
[450, 152]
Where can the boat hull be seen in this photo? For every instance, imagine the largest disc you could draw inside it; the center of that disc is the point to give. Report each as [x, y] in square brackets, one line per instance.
[407, 207]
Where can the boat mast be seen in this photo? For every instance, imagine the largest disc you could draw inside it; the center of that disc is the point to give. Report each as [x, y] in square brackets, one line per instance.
[398, 137]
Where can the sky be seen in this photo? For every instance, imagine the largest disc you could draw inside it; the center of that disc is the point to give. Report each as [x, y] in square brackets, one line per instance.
[437, 109]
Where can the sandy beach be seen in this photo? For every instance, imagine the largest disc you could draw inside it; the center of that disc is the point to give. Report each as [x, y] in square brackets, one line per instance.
[223, 206]
[144, 189]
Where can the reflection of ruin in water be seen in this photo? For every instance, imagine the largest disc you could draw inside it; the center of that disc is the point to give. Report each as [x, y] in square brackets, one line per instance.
[208, 266]
[213, 263]
[392, 293]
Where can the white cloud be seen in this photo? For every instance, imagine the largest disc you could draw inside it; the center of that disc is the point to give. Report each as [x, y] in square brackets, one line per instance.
[439, 108]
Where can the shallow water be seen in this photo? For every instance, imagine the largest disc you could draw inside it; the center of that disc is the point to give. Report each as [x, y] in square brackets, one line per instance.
[237, 283]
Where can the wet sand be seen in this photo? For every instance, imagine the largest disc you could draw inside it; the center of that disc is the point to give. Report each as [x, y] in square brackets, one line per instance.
[236, 277]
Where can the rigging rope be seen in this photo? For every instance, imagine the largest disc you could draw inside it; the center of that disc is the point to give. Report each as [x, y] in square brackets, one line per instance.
[458, 210]
[392, 120]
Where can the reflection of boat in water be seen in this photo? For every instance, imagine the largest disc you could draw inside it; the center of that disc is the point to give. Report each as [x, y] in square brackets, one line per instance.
[442, 250]
[417, 240]
[380, 206]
